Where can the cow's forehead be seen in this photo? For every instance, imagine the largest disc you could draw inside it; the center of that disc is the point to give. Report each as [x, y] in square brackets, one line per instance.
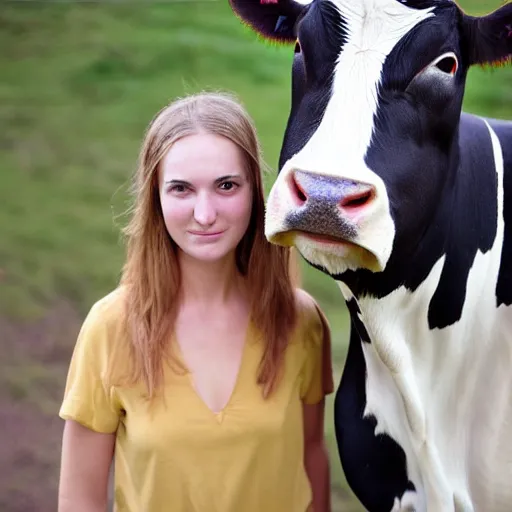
[371, 22]
[373, 29]
[370, 18]
[378, 25]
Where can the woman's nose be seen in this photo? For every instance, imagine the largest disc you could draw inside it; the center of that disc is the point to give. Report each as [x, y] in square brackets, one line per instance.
[204, 211]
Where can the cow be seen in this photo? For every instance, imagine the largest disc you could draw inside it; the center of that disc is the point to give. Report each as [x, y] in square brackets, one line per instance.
[387, 185]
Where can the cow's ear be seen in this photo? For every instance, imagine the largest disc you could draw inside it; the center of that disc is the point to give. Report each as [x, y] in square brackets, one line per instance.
[489, 38]
[272, 19]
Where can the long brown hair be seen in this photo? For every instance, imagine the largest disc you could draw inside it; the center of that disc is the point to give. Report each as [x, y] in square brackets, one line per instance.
[151, 272]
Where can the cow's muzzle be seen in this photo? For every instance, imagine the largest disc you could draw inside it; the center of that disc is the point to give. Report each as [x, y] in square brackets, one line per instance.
[326, 215]
[327, 205]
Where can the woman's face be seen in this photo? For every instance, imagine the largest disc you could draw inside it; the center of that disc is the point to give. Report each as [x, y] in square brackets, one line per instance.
[206, 196]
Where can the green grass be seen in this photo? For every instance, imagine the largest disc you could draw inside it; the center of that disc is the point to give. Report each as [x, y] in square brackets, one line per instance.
[80, 82]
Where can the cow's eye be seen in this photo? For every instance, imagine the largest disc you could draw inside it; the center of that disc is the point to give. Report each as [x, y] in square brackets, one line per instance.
[434, 84]
[447, 63]
[442, 68]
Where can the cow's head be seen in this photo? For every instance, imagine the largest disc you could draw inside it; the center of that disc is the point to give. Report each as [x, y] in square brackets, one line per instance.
[377, 89]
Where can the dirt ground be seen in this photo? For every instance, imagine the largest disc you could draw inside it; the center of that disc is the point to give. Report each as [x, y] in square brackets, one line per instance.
[34, 359]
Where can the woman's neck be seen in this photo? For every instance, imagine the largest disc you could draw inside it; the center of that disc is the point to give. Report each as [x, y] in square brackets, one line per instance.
[210, 282]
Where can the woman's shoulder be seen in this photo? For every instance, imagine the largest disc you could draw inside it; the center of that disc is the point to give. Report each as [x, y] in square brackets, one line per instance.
[310, 317]
[314, 336]
[111, 305]
[304, 298]
[106, 315]
[307, 305]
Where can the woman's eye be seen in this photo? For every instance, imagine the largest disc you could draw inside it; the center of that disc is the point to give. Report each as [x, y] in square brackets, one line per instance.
[178, 189]
[228, 185]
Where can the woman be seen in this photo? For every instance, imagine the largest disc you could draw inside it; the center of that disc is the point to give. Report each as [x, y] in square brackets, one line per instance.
[205, 371]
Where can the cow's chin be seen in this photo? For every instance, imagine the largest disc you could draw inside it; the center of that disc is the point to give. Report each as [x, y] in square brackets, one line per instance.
[336, 256]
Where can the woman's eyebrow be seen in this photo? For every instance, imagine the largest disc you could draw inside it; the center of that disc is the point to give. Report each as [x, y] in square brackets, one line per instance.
[228, 177]
[217, 180]
[177, 182]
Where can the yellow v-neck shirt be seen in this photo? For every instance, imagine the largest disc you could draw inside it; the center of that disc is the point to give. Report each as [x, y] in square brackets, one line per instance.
[179, 456]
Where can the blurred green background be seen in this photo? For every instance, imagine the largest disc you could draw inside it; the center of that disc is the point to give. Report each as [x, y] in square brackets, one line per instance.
[79, 84]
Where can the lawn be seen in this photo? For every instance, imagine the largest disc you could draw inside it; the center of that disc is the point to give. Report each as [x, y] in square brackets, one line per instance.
[79, 83]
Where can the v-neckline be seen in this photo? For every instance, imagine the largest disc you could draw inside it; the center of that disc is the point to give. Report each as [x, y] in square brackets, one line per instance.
[217, 415]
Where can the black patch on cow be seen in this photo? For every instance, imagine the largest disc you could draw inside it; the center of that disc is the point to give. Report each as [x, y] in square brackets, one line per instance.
[474, 219]
[321, 33]
[356, 315]
[461, 220]
[375, 466]
[504, 285]
[353, 308]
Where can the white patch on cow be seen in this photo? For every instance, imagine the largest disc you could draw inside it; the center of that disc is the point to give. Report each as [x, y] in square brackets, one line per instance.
[345, 291]
[444, 395]
[336, 257]
[339, 145]
[408, 503]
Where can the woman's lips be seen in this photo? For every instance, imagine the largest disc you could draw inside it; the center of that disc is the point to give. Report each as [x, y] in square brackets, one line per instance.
[207, 235]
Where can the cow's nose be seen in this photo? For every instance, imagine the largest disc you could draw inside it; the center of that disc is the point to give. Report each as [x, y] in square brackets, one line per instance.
[348, 195]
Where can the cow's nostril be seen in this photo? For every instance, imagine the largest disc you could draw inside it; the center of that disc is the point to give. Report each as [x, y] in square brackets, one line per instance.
[329, 191]
[298, 191]
[301, 194]
[357, 199]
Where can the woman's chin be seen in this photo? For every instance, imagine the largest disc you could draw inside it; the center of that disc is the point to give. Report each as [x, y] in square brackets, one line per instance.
[208, 254]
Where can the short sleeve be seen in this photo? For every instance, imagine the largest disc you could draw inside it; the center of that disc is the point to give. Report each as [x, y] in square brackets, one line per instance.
[87, 400]
[317, 375]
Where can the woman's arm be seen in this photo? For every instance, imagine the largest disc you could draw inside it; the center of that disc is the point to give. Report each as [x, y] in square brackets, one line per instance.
[315, 456]
[85, 465]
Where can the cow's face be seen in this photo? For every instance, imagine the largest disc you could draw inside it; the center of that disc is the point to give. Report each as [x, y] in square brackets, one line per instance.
[377, 88]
